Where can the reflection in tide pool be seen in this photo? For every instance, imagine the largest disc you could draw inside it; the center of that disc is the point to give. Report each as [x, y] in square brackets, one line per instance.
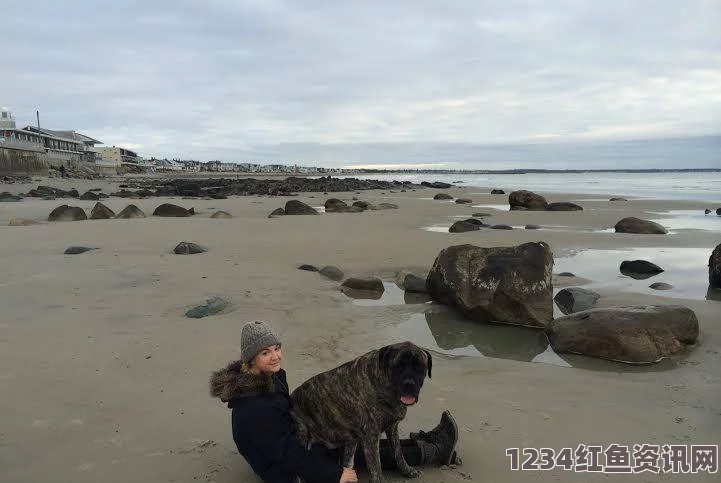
[443, 330]
[393, 295]
[689, 220]
[684, 268]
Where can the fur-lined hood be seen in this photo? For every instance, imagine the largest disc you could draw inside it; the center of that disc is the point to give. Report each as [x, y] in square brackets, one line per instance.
[234, 382]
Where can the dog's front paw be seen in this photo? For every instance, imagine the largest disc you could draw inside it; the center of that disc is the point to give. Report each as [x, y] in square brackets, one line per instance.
[411, 472]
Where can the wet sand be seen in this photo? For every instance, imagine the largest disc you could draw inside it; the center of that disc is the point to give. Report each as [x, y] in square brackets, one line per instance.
[105, 379]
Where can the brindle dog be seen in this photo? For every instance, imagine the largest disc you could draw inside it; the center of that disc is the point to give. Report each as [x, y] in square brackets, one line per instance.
[357, 401]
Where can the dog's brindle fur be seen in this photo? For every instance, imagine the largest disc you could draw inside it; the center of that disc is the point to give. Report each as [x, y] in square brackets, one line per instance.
[357, 401]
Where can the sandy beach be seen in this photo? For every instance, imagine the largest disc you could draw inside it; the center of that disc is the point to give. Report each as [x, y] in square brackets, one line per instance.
[105, 379]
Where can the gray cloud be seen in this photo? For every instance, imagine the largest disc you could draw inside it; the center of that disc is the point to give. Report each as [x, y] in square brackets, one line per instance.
[233, 80]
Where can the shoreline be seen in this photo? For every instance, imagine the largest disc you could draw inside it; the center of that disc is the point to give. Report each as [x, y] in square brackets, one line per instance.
[100, 357]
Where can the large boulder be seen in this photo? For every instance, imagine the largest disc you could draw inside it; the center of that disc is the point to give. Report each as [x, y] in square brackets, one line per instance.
[510, 285]
[639, 269]
[637, 225]
[443, 196]
[640, 334]
[101, 212]
[411, 282]
[463, 226]
[526, 200]
[169, 209]
[714, 268]
[131, 211]
[295, 207]
[575, 299]
[563, 206]
[67, 213]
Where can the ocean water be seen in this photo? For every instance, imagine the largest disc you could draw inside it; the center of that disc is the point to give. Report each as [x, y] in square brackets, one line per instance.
[703, 187]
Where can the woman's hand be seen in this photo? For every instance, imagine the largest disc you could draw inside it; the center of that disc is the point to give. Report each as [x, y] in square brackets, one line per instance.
[348, 476]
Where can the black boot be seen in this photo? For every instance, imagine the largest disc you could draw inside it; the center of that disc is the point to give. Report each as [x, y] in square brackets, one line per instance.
[438, 445]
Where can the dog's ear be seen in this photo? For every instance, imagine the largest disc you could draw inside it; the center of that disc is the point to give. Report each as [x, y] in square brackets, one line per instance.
[429, 359]
[385, 354]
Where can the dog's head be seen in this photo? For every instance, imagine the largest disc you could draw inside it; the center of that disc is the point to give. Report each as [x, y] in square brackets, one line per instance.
[407, 365]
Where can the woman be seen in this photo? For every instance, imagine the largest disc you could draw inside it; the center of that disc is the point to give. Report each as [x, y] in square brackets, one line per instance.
[256, 390]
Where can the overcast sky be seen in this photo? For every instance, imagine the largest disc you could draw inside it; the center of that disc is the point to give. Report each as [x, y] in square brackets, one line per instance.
[236, 80]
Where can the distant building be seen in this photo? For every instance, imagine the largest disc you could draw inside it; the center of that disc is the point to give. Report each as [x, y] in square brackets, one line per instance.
[117, 156]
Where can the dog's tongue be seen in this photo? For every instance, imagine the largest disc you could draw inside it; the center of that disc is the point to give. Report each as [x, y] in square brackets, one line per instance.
[408, 400]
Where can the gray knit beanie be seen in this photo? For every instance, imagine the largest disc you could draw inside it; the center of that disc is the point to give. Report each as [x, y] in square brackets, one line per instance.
[256, 336]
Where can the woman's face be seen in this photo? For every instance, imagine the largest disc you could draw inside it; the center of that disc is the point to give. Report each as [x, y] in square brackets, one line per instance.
[267, 360]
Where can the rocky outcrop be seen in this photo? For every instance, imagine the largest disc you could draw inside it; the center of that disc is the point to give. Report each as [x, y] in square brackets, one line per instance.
[171, 210]
[563, 206]
[101, 212]
[443, 196]
[526, 200]
[639, 334]
[438, 185]
[188, 248]
[575, 299]
[295, 207]
[510, 285]
[67, 213]
[637, 225]
[714, 268]
[131, 211]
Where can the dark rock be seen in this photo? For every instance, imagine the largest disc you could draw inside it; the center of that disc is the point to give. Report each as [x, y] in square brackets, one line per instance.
[714, 268]
[125, 194]
[617, 199]
[8, 197]
[212, 306]
[443, 196]
[705, 212]
[481, 215]
[295, 207]
[718, 211]
[510, 285]
[463, 226]
[463, 201]
[367, 284]
[144, 193]
[171, 210]
[90, 196]
[523, 199]
[637, 334]
[563, 206]
[637, 225]
[95, 189]
[277, 212]
[188, 248]
[131, 211]
[221, 214]
[67, 213]
[189, 189]
[566, 274]
[438, 185]
[661, 286]
[531, 226]
[364, 205]
[639, 269]
[309, 268]
[414, 283]
[501, 227]
[497, 192]
[575, 299]
[101, 212]
[331, 272]
[77, 250]
[334, 205]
